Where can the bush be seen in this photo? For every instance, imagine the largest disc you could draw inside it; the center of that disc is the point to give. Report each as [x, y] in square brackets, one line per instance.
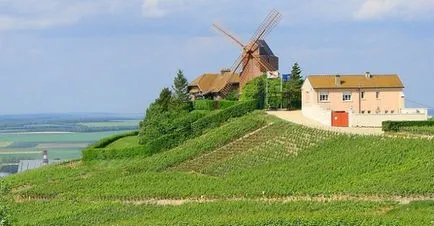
[205, 105]
[223, 104]
[215, 119]
[395, 126]
[108, 140]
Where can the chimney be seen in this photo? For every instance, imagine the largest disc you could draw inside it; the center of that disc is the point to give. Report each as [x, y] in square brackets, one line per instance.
[368, 74]
[225, 70]
[45, 158]
[338, 80]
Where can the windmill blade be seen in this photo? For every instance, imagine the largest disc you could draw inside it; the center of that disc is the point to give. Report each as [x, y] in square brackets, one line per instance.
[227, 34]
[267, 25]
[237, 63]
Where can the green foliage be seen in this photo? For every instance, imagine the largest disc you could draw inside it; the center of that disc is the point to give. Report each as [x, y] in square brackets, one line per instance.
[179, 87]
[208, 105]
[233, 95]
[397, 126]
[211, 105]
[255, 90]
[5, 218]
[293, 87]
[215, 119]
[223, 104]
[108, 140]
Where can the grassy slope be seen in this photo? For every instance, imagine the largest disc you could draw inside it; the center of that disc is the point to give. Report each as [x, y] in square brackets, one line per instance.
[279, 165]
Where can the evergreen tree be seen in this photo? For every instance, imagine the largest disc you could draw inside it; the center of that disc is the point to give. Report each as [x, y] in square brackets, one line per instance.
[294, 86]
[164, 101]
[179, 87]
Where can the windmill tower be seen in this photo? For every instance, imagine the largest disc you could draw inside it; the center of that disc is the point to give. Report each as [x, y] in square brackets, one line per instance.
[256, 57]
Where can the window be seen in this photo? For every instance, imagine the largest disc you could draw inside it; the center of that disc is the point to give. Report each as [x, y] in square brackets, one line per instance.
[369, 112]
[346, 96]
[362, 94]
[386, 111]
[377, 95]
[324, 96]
[392, 111]
[363, 112]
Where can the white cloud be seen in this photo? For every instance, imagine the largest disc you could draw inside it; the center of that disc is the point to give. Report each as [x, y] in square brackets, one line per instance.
[161, 8]
[43, 14]
[150, 8]
[403, 9]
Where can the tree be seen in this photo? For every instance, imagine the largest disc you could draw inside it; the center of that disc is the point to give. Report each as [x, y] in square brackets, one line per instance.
[255, 90]
[293, 86]
[179, 87]
[164, 101]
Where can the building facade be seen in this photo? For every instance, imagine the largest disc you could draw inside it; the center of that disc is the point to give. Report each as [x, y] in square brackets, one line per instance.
[352, 100]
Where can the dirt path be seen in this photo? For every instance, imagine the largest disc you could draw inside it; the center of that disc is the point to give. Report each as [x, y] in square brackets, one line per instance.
[298, 118]
[176, 202]
[285, 199]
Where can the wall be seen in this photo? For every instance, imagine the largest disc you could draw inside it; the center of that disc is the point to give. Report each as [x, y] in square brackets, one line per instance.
[375, 120]
[318, 114]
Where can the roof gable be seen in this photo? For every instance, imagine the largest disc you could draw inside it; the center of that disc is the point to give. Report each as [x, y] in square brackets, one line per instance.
[355, 81]
[213, 83]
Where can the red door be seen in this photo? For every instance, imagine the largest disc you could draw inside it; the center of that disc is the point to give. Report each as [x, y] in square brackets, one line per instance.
[339, 119]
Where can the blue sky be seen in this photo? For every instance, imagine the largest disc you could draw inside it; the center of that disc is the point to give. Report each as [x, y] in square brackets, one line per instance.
[116, 55]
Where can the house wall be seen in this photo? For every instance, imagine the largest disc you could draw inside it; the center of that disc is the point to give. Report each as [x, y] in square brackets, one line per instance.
[389, 100]
[375, 120]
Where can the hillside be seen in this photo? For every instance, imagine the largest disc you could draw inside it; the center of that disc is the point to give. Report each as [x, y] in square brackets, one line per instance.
[251, 170]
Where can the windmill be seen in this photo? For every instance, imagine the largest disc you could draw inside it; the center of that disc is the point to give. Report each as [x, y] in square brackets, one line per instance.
[256, 57]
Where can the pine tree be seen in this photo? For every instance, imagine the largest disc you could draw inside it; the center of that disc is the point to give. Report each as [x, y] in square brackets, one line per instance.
[164, 101]
[179, 87]
[294, 86]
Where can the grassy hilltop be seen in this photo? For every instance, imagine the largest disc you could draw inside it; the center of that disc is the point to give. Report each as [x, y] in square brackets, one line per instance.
[249, 170]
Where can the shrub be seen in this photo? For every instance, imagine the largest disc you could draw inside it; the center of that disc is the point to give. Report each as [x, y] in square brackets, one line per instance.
[108, 140]
[223, 104]
[215, 119]
[205, 105]
[395, 126]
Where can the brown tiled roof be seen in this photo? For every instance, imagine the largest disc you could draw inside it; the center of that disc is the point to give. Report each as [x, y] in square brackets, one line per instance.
[355, 81]
[213, 83]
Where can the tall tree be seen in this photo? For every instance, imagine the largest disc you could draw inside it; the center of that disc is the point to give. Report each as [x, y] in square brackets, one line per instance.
[294, 86]
[179, 87]
[165, 99]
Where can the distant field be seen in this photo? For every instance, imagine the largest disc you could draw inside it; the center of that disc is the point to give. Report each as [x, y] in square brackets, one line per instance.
[56, 137]
[63, 146]
[111, 123]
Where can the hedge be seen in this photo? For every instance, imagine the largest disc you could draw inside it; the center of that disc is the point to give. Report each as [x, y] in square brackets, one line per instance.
[223, 104]
[108, 140]
[210, 105]
[184, 128]
[205, 105]
[395, 126]
[215, 119]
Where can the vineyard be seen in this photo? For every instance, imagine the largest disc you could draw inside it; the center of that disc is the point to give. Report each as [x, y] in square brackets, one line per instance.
[251, 170]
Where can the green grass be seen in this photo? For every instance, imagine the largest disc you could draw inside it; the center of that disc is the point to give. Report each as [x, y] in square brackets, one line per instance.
[226, 213]
[281, 160]
[424, 130]
[126, 142]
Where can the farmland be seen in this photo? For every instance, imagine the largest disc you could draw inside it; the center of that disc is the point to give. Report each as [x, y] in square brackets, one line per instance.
[25, 137]
[285, 174]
